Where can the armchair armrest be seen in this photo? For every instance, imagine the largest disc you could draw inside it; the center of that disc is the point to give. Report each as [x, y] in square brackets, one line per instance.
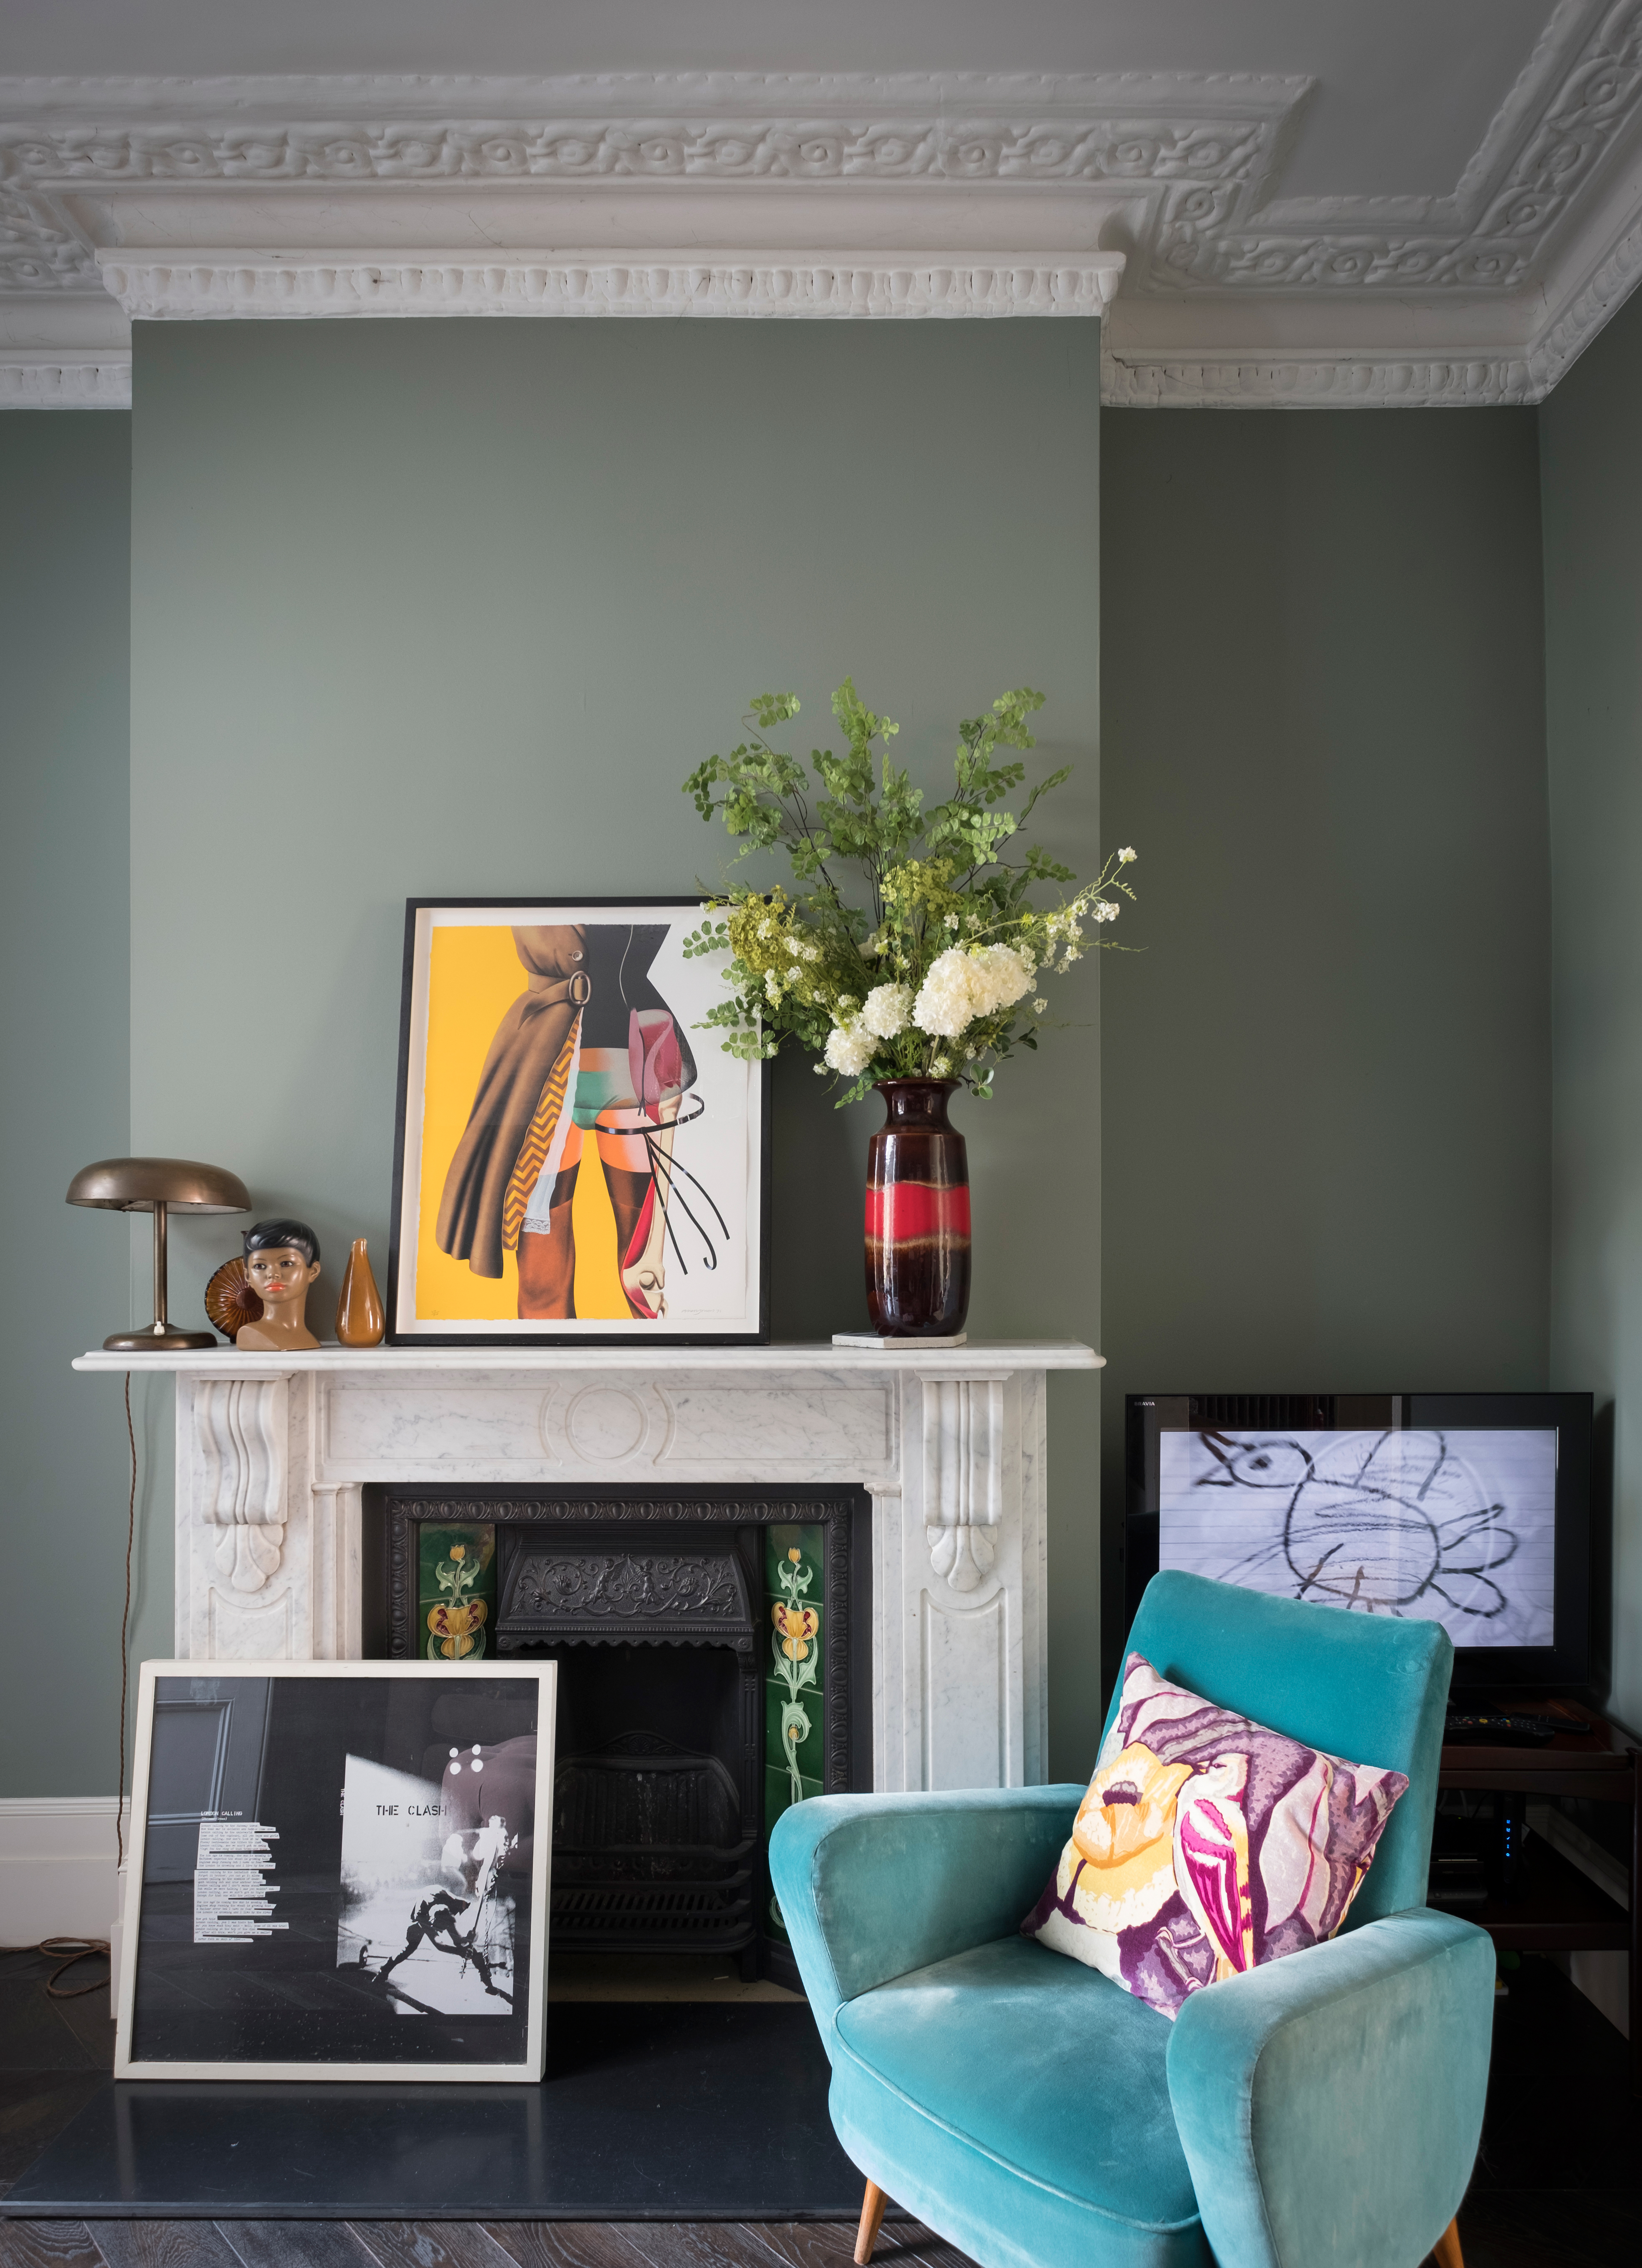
[1329, 2103]
[871, 1886]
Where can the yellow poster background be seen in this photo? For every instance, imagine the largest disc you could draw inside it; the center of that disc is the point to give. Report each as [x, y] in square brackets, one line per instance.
[473, 978]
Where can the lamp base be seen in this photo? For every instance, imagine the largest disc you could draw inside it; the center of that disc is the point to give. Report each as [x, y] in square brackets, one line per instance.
[159, 1338]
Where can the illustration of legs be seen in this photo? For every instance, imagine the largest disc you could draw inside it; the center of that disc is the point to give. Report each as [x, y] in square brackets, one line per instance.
[632, 1152]
[630, 1100]
[547, 1256]
[536, 1213]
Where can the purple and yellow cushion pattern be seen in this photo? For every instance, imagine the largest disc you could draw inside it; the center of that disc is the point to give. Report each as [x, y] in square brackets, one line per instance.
[1207, 1846]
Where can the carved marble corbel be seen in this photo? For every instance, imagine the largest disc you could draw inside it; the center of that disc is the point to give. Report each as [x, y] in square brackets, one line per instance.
[242, 1437]
[963, 1475]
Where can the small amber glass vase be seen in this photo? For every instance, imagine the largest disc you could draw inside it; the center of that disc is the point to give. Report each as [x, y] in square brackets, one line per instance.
[361, 1320]
[917, 1214]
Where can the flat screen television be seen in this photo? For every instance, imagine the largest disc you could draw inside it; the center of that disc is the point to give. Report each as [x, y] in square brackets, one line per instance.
[1472, 1510]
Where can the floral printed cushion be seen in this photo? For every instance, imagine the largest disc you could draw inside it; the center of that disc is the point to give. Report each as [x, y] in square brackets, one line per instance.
[1206, 1845]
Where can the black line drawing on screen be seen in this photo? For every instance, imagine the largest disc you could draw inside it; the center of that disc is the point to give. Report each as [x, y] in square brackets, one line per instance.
[1384, 1522]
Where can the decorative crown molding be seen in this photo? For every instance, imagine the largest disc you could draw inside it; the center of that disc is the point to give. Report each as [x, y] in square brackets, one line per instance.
[247, 284]
[1323, 381]
[60, 382]
[1570, 105]
[777, 195]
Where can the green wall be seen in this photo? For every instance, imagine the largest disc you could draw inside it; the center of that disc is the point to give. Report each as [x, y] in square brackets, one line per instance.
[1326, 1079]
[431, 607]
[1591, 446]
[64, 556]
[428, 608]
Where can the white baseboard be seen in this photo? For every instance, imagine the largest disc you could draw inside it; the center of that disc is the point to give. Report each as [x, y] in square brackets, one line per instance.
[56, 1868]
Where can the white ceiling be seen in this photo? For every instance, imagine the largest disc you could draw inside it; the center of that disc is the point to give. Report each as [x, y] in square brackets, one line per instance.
[1409, 199]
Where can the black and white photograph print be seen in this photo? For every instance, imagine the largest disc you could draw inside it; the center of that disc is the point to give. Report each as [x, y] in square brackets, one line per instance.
[1456, 1527]
[336, 1873]
[430, 1877]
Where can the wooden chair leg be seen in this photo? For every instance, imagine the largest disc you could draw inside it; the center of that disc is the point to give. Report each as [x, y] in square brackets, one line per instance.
[872, 2215]
[1446, 2251]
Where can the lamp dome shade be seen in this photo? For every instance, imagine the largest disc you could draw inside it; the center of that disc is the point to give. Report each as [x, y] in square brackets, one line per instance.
[132, 1184]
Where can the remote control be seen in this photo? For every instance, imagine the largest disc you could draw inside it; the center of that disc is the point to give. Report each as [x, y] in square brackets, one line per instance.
[1505, 1728]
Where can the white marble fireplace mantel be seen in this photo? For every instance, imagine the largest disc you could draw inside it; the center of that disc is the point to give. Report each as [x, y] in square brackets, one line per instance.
[274, 1452]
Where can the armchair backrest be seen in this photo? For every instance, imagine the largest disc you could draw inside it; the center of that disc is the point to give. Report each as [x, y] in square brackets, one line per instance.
[1371, 1688]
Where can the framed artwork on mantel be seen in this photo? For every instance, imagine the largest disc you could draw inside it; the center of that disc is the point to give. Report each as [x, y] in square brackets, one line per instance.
[339, 1870]
[575, 1161]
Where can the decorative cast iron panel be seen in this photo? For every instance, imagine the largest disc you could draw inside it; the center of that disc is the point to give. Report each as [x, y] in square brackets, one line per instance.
[680, 1597]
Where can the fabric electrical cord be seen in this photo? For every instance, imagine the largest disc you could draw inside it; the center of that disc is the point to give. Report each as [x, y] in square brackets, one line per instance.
[125, 1623]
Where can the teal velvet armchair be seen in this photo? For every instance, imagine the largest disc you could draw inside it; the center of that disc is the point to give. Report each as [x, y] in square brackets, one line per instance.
[1322, 2111]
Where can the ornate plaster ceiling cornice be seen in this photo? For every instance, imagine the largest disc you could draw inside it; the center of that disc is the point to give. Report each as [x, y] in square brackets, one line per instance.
[860, 195]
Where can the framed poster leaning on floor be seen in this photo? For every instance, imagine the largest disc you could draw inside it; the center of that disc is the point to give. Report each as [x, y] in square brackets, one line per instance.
[336, 1871]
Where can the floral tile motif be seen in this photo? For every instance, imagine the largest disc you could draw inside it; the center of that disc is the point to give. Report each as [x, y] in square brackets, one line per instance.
[455, 1589]
[795, 1582]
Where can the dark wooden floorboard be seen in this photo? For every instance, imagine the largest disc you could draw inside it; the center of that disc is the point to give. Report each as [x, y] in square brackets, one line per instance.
[431, 2245]
[566, 2244]
[904, 2242]
[161, 2245]
[699, 2244]
[48, 2244]
[296, 2243]
[831, 2244]
[809, 2244]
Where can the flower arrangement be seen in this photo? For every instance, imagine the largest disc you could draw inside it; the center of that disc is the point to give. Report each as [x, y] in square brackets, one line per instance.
[933, 968]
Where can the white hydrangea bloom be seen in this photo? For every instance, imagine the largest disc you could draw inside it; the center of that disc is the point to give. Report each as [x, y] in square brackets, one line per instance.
[1004, 977]
[886, 1010]
[1105, 910]
[946, 998]
[849, 1049]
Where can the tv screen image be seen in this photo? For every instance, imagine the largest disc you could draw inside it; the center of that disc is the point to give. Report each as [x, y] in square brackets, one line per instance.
[1471, 1509]
[1455, 1526]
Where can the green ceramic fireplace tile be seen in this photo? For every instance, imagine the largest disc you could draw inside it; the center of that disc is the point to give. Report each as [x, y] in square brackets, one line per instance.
[810, 1751]
[455, 1590]
[778, 1795]
[794, 1700]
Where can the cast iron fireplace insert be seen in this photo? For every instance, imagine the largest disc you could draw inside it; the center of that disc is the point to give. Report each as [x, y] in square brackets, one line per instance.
[654, 1603]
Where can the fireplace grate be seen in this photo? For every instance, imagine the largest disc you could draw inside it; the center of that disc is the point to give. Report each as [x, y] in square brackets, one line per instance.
[644, 1793]
[652, 1917]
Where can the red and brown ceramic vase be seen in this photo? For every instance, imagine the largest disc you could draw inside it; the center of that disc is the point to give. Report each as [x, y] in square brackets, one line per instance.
[917, 1214]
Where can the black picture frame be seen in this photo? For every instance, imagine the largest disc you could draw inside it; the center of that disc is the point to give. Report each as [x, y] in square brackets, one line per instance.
[751, 1212]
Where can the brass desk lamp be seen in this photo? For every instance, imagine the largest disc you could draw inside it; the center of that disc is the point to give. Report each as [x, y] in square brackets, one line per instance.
[156, 1185]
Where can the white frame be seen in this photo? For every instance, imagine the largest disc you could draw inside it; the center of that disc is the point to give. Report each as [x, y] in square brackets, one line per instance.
[546, 1677]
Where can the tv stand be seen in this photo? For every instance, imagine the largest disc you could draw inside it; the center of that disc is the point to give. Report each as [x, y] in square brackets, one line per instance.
[1557, 1909]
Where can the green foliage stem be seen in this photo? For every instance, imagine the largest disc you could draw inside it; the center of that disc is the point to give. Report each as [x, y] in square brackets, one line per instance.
[900, 975]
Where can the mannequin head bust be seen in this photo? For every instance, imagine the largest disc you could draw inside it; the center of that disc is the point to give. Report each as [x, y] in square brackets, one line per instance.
[281, 1260]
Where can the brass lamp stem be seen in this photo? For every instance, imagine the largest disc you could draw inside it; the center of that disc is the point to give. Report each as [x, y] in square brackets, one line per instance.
[160, 1289]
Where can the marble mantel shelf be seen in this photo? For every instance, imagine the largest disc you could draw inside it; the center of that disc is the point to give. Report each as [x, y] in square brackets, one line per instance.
[808, 1354]
[274, 1453]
